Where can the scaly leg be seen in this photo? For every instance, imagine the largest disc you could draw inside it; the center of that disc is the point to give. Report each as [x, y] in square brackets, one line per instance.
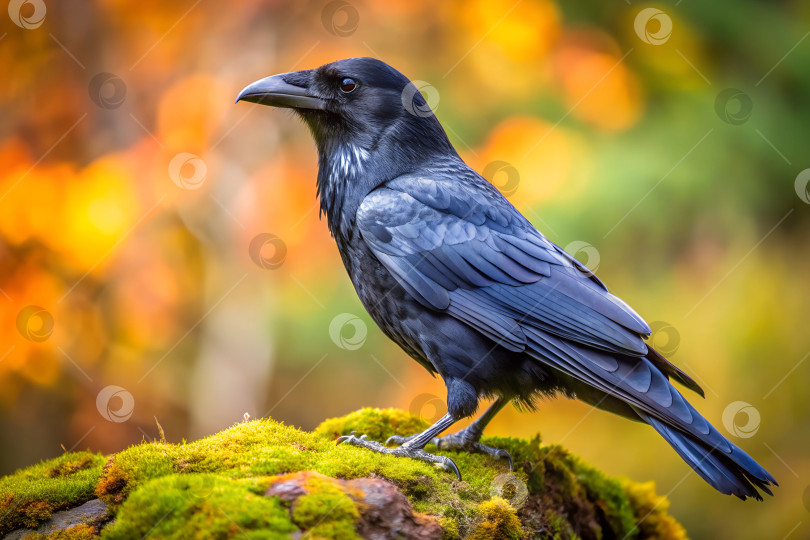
[468, 438]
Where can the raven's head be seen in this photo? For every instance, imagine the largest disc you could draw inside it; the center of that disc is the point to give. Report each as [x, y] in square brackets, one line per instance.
[358, 101]
[369, 121]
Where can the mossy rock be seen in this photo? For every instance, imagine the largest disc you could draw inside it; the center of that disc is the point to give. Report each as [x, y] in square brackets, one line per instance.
[268, 480]
[30, 496]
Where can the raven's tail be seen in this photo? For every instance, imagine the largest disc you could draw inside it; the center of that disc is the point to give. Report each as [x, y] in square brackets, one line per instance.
[731, 472]
[637, 388]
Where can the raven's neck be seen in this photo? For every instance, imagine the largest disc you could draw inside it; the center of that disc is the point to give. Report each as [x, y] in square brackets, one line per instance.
[348, 171]
[342, 169]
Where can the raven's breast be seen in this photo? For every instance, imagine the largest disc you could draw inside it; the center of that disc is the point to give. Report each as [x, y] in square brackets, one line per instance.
[397, 314]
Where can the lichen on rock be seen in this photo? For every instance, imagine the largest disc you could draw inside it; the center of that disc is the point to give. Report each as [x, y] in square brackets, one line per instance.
[268, 480]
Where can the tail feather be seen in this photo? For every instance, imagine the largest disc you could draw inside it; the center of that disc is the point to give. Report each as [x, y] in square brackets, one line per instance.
[638, 385]
[732, 473]
[672, 371]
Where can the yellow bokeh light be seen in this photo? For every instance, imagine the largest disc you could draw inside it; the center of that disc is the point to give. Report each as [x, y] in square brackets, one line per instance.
[597, 86]
[543, 155]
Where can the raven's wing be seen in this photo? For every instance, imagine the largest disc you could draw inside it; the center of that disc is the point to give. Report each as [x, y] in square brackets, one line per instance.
[461, 247]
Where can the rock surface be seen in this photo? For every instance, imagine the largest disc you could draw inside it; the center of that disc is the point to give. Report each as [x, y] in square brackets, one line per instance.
[90, 513]
[385, 513]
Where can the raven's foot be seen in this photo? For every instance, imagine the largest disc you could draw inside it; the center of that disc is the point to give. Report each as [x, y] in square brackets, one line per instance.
[464, 440]
[402, 451]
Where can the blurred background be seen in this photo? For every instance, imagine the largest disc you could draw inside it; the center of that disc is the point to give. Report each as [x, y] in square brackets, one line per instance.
[162, 257]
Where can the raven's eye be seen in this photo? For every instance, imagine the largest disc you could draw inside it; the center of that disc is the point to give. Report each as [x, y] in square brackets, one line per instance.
[347, 85]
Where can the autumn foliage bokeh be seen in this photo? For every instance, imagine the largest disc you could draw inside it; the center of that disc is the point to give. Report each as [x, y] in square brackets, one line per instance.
[617, 148]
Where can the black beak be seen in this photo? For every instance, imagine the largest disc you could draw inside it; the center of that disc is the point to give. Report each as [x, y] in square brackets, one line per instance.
[274, 91]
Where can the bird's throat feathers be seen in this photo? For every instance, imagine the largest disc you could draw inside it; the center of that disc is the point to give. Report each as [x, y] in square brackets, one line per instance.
[342, 175]
[355, 157]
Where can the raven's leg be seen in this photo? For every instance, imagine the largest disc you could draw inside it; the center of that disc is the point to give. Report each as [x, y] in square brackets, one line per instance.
[468, 438]
[413, 448]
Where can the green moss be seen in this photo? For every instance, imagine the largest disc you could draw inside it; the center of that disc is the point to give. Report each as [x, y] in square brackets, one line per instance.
[198, 506]
[77, 532]
[378, 424]
[499, 521]
[450, 528]
[651, 512]
[28, 497]
[571, 499]
[125, 470]
[607, 496]
[558, 528]
[325, 511]
[218, 484]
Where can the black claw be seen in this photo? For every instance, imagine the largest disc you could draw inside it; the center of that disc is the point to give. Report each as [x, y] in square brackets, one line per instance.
[398, 439]
[450, 464]
[503, 454]
[343, 438]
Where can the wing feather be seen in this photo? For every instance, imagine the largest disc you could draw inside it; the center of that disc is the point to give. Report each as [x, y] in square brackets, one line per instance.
[470, 253]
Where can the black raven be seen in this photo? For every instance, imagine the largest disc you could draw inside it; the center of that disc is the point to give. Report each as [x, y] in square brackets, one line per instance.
[459, 279]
